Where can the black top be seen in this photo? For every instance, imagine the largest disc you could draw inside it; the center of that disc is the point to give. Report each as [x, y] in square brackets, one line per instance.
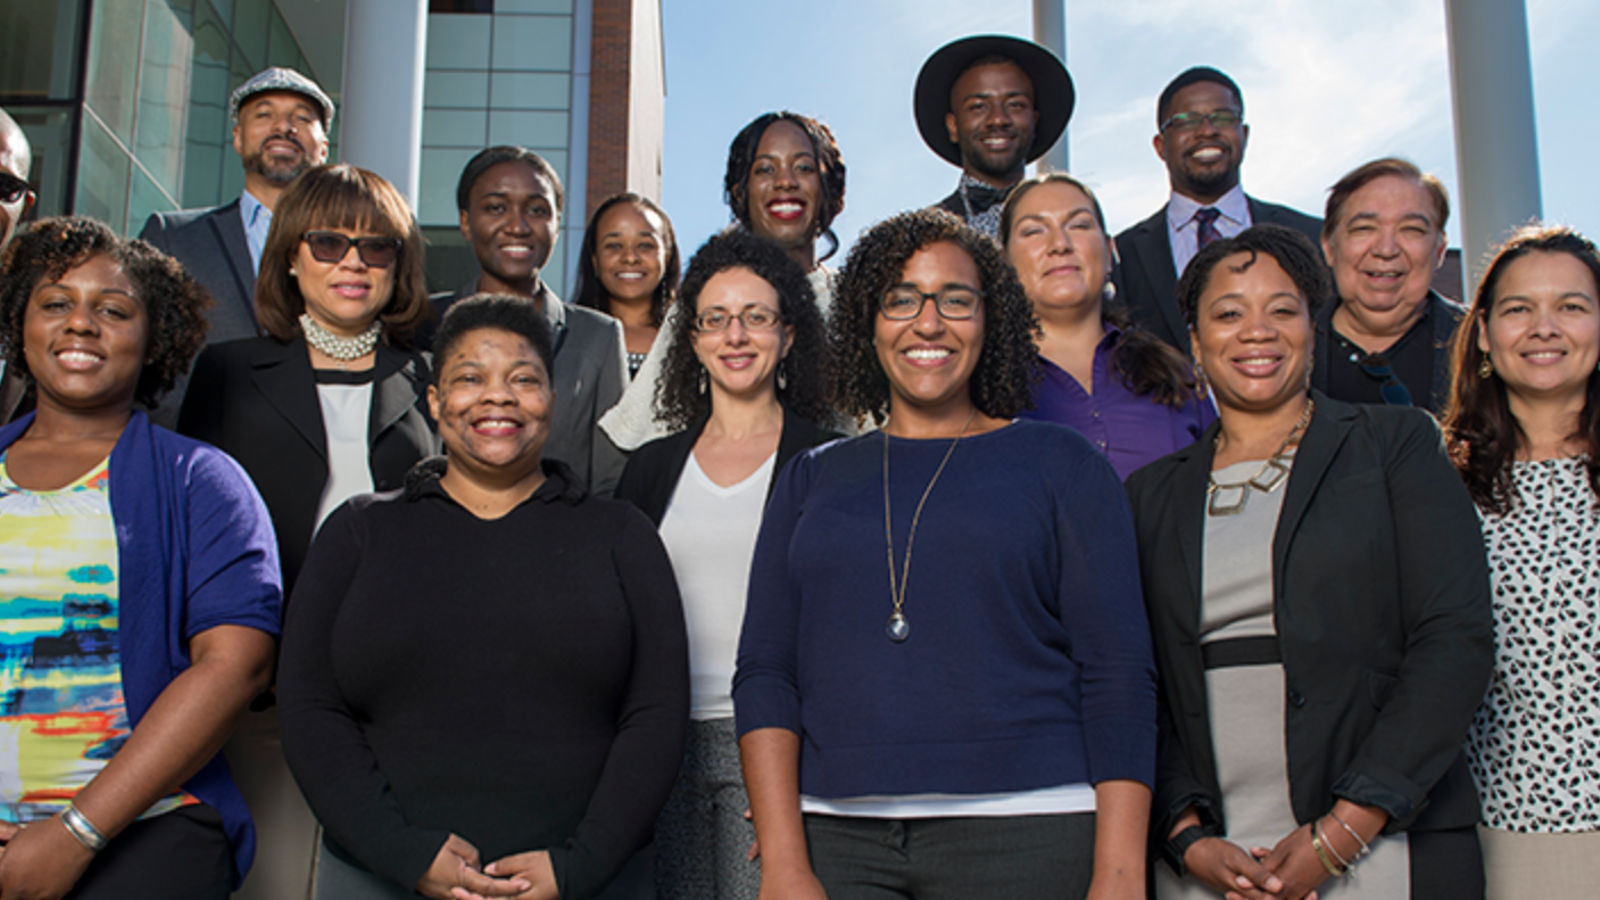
[521, 682]
[1420, 359]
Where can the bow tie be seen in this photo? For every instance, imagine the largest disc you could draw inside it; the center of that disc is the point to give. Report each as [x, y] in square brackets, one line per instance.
[982, 196]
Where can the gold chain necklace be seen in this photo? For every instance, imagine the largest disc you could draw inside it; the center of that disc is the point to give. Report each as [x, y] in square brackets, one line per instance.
[899, 628]
[1267, 479]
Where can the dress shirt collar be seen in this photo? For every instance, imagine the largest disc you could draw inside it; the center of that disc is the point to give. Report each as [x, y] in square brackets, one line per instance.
[257, 221]
[1233, 206]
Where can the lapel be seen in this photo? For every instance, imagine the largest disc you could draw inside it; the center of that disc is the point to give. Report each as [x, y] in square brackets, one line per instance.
[282, 372]
[1331, 422]
[1155, 253]
[395, 389]
[228, 229]
[1188, 503]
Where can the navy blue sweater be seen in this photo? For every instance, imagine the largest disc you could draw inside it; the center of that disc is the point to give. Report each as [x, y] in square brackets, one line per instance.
[1028, 663]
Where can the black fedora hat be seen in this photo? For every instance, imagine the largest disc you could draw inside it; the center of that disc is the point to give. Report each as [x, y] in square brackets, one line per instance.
[1053, 94]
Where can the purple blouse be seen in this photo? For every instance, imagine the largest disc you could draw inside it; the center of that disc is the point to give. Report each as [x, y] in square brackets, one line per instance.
[1129, 429]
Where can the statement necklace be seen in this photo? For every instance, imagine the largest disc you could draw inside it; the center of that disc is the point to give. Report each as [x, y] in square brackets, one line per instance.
[333, 346]
[899, 628]
[1267, 479]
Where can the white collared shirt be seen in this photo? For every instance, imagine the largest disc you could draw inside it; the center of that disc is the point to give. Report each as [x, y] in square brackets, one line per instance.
[1183, 230]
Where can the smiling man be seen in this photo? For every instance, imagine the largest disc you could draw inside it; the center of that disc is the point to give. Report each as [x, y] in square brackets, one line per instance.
[990, 104]
[16, 199]
[1200, 137]
[510, 202]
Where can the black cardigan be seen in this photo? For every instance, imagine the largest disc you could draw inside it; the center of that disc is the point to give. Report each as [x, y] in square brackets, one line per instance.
[653, 470]
[1381, 605]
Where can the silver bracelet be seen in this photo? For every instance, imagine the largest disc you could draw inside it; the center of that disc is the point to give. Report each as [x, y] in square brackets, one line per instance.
[1363, 848]
[81, 828]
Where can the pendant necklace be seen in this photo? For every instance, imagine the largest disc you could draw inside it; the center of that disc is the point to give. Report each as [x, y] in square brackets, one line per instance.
[1267, 479]
[899, 628]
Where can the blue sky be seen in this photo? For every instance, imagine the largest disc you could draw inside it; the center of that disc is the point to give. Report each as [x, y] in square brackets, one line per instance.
[1327, 86]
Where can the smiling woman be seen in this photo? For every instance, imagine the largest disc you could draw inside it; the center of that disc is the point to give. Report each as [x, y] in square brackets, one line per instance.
[139, 593]
[535, 762]
[628, 268]
[328, 406]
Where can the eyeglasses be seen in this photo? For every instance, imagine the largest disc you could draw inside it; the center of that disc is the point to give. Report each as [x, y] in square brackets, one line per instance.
[331, 246]
[904, 302]
[1393, 391]
[12, 188]
[1188, 121]
[753, 318]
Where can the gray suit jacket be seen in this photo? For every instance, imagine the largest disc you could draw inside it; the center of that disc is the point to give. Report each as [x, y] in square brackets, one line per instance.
[210, 244]
[1147, 281]
[591, 371]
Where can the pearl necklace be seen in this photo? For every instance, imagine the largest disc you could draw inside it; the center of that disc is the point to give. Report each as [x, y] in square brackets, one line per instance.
[333, 346]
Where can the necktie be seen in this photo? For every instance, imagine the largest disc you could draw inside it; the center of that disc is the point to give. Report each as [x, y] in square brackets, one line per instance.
[1206, 218]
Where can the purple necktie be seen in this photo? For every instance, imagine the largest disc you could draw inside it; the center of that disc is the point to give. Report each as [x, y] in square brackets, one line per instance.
[1206, 217]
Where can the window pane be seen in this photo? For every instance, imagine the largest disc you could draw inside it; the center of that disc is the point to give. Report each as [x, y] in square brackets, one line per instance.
[208, 132]
[530, 90]
[102, 177]
[528, 129]
[454, 128]
[114, 64]
[163, 94]
[250, 25]
[458, 42]
[144, 199]
[468, 89]
[39, 48]
[532, 42]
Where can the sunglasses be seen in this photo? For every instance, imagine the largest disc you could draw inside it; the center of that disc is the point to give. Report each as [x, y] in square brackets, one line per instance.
[12, 188]
[1393, 391]
[331, 246]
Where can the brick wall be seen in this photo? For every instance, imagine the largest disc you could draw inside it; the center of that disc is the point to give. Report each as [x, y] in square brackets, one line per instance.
[610, 57]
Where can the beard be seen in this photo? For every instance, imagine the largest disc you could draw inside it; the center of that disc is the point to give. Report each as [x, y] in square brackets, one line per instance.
[999, 167]
[279, 173]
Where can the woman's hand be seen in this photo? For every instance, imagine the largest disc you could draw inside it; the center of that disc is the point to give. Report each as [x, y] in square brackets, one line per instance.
[1226, 868]
[455, 867]
[1295, 862]
[532, 868]
[40, 861]
[791, 884]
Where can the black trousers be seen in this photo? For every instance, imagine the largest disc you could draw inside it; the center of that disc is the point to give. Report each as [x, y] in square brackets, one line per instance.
[180, 855]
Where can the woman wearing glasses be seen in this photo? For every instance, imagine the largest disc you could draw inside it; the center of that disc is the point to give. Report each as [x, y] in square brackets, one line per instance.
[328, 405]
[1121, 387]
[741, 410]
[1387, 340]
[977, 717]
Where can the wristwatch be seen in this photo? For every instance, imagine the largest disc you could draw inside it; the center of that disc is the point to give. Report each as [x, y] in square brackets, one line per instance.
[1179, 844]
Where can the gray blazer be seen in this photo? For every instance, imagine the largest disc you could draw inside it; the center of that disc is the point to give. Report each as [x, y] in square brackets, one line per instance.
[591, 371]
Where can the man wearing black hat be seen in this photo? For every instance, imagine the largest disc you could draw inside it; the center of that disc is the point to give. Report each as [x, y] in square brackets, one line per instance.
[990, 104]
[1200, 136]
[280, 129]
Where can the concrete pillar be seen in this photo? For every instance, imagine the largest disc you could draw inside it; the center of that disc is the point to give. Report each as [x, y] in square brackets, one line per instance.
[1050, 32]
[1497, 158]
[385, 56]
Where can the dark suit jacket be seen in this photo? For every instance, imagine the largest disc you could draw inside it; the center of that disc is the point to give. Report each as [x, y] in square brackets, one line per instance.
[1147, 281]
[591, 371]
[1381, 604]
[653, 470]
[257, 400]
[211, 245]
[1445, 315]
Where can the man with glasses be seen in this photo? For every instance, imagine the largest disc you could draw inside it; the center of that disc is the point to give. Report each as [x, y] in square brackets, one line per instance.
[16, 199]
[990, 104]
[1201, 136]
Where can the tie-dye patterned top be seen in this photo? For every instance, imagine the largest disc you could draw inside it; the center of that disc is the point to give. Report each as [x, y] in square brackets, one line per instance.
[62, 715]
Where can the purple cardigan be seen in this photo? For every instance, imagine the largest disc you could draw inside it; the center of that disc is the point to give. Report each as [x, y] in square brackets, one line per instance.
[195, 550]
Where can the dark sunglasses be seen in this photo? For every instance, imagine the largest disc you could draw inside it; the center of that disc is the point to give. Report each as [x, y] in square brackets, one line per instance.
[1393, 391]
[331, 246]
[12, 188]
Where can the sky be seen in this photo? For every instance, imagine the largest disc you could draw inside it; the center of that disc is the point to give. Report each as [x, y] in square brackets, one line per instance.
[1327, 86]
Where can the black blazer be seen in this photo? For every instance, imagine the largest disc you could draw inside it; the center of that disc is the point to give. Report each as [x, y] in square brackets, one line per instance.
[1381, 604]
[1445, 313]
[1147, 281]
[257, 400]
[653, 470]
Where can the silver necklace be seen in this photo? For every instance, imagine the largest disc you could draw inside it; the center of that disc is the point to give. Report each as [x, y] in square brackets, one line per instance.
[343, 349]
[1267, 479]
[899, 627]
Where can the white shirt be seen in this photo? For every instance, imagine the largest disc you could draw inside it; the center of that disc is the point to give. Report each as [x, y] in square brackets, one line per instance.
[345, 411]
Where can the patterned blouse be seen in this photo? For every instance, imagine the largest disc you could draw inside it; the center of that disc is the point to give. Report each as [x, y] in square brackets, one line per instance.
[1534, 746]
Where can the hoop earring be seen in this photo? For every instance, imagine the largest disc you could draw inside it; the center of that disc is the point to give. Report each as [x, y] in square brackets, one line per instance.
[1485, 368]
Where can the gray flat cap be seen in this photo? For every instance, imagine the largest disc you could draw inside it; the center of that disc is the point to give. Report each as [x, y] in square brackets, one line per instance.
[278, 78]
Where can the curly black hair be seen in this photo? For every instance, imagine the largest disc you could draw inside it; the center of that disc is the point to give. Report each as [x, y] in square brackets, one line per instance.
[592, 293]
[830, 168]
[808, 367]
[498, 311]
[1293, 252]
[174, 302]
[1001, 385]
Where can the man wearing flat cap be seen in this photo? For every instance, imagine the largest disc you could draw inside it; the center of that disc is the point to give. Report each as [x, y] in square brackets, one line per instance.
[990, 104]
[280, 129]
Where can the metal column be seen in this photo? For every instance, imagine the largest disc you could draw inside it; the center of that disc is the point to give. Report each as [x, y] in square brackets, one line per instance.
[1050, 32]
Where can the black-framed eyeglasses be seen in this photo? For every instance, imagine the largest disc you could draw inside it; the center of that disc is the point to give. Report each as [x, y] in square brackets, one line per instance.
[903, 302]
[1188, 121]
[12, 188]
[1393, 391]
[753, 318]
[331, 246]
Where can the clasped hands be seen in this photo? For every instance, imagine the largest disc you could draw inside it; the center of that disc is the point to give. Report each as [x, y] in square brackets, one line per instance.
[457, 874]
[1290, 870]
